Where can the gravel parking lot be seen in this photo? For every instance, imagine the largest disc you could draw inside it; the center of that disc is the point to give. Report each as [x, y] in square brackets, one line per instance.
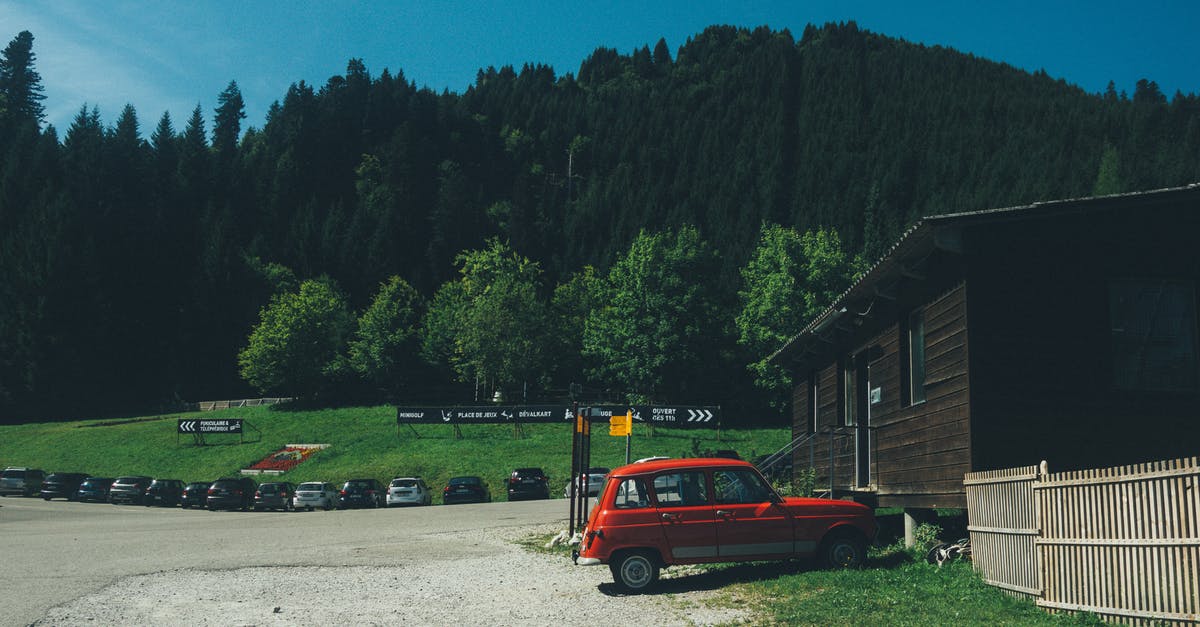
[74, 564]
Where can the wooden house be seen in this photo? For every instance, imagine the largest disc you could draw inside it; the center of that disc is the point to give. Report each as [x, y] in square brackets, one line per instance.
[1062, 331]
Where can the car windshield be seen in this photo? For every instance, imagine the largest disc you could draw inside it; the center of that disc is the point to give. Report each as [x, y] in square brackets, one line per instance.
[465, 481]
[13, 474]
[404, 483]
[312, 487]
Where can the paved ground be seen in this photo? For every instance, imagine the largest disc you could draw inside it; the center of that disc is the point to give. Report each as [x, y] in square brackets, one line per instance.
[79, 563]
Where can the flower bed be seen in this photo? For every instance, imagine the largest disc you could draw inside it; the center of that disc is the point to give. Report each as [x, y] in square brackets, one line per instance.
[286, 458]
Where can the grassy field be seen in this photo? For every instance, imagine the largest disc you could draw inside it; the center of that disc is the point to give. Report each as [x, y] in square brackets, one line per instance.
[365, 443]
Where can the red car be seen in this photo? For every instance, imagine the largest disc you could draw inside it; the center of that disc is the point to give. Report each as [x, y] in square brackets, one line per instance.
[690, 511]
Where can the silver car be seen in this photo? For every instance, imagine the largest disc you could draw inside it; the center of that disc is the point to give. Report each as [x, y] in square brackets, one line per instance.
[23, 481]
[595, 481]
[408, 491]
[315, 494]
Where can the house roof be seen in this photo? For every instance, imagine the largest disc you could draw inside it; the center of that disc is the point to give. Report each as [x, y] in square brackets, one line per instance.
[930, 233]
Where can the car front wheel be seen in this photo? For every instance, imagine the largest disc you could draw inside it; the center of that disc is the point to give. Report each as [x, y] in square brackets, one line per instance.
[634, 571]
[843, 550]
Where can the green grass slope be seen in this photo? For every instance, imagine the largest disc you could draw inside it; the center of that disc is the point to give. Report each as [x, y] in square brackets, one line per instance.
[365, 442]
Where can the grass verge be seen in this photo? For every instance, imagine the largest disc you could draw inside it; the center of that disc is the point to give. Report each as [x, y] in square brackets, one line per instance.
[895, 588]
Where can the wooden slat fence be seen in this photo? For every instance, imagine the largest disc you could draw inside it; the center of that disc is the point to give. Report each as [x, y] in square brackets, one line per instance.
[1121, 542]
[1003, 520]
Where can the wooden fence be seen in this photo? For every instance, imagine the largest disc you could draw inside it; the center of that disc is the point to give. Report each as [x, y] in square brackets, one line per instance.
[1121, 542]
[245, 402]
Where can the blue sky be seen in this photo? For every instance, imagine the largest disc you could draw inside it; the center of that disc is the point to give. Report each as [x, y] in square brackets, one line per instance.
[171, 55]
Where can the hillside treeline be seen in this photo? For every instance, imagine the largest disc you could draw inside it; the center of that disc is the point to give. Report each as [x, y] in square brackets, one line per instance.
[138, 255]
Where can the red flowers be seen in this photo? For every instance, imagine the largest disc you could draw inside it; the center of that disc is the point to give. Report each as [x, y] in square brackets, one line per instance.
[286, 458]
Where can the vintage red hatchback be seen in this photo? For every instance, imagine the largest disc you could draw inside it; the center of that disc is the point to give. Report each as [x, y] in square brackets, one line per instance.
[689, 511]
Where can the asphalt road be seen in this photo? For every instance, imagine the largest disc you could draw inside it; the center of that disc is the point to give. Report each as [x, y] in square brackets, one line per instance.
[56, 552]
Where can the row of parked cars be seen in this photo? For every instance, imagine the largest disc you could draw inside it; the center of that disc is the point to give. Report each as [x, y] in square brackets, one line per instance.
[243, 493]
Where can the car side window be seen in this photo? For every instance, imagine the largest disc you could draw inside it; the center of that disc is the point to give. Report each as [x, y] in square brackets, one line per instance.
[681, 489]
[740, 486]
[631, 494]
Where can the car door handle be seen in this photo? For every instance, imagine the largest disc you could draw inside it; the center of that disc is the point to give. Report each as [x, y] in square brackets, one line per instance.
[725, 513]
[669, 516]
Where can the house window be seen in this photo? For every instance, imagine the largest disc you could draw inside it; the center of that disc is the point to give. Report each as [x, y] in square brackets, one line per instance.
[1153, 335]
[849, 398]
[814, 402]
[915, 338]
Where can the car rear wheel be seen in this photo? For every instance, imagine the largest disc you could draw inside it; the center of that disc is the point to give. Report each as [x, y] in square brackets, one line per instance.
[634, 571]
[843, 550]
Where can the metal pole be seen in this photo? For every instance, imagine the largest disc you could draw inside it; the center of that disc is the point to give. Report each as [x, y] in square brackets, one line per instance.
[574, 464]
[831, 462]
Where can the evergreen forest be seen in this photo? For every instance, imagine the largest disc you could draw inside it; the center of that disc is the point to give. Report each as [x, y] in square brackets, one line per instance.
[649, 227]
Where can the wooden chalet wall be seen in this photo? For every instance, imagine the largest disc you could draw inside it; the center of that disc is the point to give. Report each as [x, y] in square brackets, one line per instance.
[1041, 336]
[919, 452]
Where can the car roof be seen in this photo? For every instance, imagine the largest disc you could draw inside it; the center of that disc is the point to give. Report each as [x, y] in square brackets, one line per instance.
[641, 468]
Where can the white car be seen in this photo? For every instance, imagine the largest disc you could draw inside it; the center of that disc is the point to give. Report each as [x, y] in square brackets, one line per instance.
[596, 477]
[408, 491]
[315, 494]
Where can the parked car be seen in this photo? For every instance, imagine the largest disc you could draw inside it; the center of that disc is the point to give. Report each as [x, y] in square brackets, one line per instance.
[195, 494]
[231, 493]
[595, 480]
[528, 483]
[409, 491]
[94, 489]
[362, 493]
[130, 490]
[62, 485]
[165, 492]
[688, 511]
[23, 481]
[466, 490]
[315, 494]
[276, 495]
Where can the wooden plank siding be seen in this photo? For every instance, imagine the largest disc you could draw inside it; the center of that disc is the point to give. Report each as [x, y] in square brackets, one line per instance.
[924, 449]
[919, 450]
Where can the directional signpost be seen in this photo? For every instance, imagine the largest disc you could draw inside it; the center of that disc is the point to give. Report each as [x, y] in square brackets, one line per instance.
[224, 425]
[198, 428]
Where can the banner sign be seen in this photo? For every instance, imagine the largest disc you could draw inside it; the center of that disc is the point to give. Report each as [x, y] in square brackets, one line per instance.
[226, 425]
[487, 414]
[685, 416]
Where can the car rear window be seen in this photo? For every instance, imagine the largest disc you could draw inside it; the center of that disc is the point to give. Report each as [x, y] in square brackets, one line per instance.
[13, 474]
[465, 481]
[128, 480]
[404, 483]
[311, 487]
[631, 494]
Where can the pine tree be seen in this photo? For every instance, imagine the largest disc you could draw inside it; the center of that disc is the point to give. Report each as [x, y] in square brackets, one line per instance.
[20, 84]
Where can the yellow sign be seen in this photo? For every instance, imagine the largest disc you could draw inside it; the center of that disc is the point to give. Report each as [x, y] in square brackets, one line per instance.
[620, 425]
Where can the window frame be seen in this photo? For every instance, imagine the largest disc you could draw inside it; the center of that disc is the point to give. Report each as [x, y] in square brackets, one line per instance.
[1141, 381]
[914, 337]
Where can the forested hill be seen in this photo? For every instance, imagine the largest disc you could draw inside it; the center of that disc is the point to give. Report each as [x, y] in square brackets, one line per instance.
[136, 257]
